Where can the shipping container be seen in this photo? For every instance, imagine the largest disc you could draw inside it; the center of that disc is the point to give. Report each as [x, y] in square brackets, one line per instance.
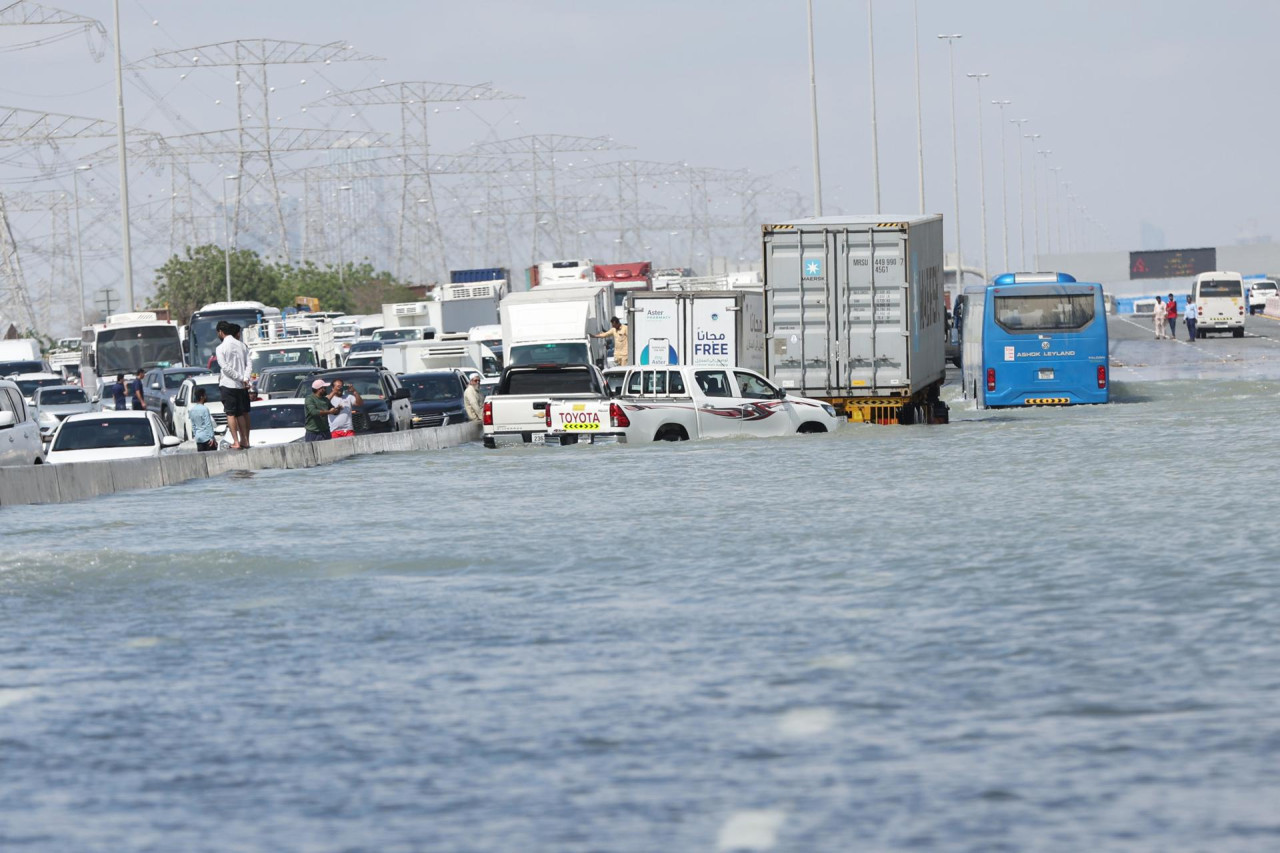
[712, 328]
[855, 313]
[481, 274]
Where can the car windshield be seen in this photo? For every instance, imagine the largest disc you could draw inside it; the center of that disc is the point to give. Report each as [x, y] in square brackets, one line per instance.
[177, 377]
[61, 397]
[29, 386]
[1044, 313]
[93, 434]
[550, 382]
[1220, 287]
[397, 335]
[528, 354]
[260, 359]
[367, 387]
[282, 380]
[432, 389]
[8, 368]
[277, 416]
[213, 393]
[365, 346]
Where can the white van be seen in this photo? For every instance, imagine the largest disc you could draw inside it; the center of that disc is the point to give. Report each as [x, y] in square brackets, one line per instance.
[1219, 298]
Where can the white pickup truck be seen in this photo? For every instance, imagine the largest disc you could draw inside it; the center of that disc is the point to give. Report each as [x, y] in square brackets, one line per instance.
[677, 403]
[516, 413]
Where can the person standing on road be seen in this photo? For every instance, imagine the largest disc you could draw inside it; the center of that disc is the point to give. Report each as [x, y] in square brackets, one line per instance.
[1171, 314]
[1191, 318]
[1158, 318]
[344, 399]
[473, 401]
[117, 393]
[136, 401]
[319, 410]
[233, 382]
[621, 339]
[201, 421]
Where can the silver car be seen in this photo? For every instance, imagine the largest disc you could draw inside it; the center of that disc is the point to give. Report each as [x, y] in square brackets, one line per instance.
[54, 403]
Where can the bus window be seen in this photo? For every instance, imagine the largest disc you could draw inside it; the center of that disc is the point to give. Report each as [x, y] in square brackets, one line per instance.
[1220, 287]
[1053, 313]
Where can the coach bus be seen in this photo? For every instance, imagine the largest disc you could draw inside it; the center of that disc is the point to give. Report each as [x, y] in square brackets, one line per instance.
[1044, 342]
[125, 344]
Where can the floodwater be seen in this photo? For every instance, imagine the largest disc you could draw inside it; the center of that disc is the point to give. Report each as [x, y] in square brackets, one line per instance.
[1049, 630]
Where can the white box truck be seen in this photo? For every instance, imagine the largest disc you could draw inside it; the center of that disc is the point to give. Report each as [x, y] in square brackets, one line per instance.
[855, 314]
[555, 325]
[713, 328]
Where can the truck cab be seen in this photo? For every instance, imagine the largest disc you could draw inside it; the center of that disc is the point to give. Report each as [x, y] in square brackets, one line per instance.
[516, 413]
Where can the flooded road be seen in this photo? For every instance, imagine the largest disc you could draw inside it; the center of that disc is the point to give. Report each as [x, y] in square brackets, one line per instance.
[1051, 630]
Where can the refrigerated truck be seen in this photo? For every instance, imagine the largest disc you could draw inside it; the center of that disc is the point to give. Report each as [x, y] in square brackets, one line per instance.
[711, 328]
[855, 314]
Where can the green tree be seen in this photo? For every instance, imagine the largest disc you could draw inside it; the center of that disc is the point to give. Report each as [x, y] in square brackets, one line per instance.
[187, 282]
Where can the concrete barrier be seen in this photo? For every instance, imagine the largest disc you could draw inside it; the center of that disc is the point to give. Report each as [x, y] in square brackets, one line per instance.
[43, 484]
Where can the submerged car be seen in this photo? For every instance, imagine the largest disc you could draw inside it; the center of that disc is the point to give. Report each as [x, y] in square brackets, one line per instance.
[436, 397]
[103, 436]
[385, 406]
[55, 403]
[160, 385]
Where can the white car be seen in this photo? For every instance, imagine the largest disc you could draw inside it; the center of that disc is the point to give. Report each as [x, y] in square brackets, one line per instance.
[280, 421]
[186, 396]
[55, 403]
[103, 436]
[19, 433]
[1260, 290]
[29, 382]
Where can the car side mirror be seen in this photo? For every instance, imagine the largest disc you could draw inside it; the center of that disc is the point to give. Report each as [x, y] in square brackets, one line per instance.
[401, 394]
[170, 441]
[782, 394]
[7, 419]
[179, 402]
[155, 385]
[95, 399]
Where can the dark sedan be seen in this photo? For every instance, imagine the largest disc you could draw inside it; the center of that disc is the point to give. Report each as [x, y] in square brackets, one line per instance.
[436, 397]
[278, 382]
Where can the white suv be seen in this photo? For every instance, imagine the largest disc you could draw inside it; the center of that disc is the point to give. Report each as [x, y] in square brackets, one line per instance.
[19, 433]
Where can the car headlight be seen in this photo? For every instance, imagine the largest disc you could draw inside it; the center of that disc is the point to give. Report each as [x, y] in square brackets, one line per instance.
[379, 416]
[829, 409]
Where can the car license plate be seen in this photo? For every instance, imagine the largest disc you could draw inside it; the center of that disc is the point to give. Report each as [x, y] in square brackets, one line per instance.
[1046, 373]
[539, 438]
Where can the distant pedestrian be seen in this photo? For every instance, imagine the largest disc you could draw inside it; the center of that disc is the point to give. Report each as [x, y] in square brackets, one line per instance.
[621, 335]
[344, 398]
[473, 401]
[1191, 317]
[118, 393]
[1171, 314]
[318, 409]
[233, 383]
[201, 421]
[136, 399]
[1158, 318]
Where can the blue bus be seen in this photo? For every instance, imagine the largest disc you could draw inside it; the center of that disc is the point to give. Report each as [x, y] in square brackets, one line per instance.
[1044, 342]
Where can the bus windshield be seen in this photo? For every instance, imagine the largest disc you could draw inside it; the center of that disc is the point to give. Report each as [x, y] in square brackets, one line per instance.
[202, 332]
[1220, 287]
[1052, 313]
[125, 350]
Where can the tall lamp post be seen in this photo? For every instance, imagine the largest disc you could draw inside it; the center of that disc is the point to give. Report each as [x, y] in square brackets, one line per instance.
[875, 136]
[75, 181]
[1035, 200]
[122, 158]
[1004, 184]
[978, 77]
[915, 16]
[226, 232]
[1022, 197]
[1057, 209]
[342, 234]
[955, 156]
[813, 105]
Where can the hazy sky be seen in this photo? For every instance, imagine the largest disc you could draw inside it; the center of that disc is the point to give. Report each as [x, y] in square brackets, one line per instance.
[1156, 111]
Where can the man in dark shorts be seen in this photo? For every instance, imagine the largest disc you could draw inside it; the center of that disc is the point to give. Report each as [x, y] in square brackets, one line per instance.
[233, 383]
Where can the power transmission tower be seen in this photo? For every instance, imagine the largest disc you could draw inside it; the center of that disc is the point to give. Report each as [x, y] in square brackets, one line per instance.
[254, 141]
[419, 217]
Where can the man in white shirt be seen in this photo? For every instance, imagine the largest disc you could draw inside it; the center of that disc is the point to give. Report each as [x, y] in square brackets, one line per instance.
[344, 398]
[233, 383]
[472, 401]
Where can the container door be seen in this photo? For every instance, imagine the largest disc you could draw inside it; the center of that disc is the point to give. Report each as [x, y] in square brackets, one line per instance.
[873, 321]
[802, 324]
[713, 328]
[655, 331]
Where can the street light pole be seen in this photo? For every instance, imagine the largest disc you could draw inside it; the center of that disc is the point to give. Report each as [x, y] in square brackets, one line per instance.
[75, 181]
[915, 14]
[978, 77]
[1035, 200]
[813, 104]
[342, 235]
[1022, 197]
[1057, 209]
[122, 158]
[955, 157]
[226, 232]
[1004, 185]
[875, 137]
